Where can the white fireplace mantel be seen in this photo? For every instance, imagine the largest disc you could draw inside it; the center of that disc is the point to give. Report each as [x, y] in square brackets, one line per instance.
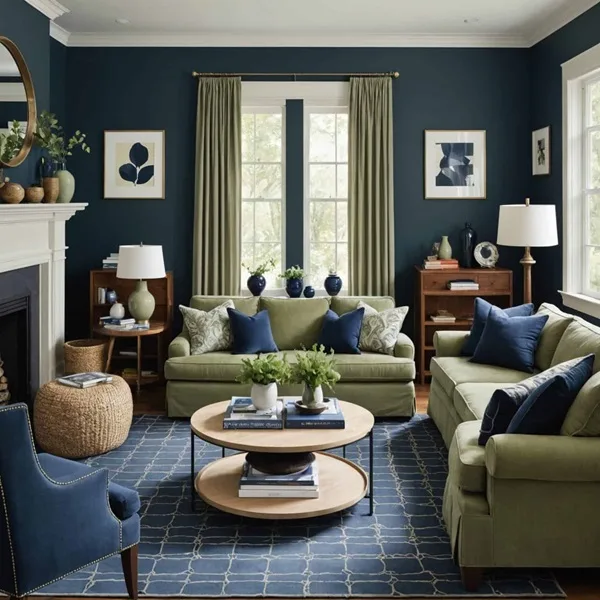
[34, 234]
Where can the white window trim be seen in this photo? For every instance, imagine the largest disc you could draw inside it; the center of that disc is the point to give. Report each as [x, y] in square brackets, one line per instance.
[575, 73]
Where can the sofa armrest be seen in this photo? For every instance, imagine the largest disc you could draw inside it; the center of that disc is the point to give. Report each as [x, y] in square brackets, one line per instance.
[543, 457]
[180, 346]
[449, 343]
[404, 347]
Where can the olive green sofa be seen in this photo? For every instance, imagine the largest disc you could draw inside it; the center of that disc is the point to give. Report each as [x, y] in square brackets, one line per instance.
[381, 383]
[522, 500]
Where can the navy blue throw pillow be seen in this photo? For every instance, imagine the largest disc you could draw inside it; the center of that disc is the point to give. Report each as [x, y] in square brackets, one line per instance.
[509, 342]
[547, 406]
[341, 334]
[481, 312]
[251, 335]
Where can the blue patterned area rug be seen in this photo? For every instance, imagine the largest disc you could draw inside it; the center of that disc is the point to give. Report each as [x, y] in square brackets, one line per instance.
[402, 550]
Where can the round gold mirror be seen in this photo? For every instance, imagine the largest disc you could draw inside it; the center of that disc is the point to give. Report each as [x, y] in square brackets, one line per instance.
[17, 104]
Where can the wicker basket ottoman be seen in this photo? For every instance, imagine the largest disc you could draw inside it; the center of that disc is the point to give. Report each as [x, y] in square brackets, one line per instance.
[77, 423]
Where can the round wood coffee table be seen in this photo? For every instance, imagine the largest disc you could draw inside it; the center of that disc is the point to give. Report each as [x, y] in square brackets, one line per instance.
[341, 482]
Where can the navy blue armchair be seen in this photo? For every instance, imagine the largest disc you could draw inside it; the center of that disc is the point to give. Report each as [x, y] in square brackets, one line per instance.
[57, 516]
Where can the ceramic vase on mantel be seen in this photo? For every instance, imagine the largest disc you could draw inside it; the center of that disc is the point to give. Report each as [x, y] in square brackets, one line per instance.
[66, 184]
[51, 189]
[264, 397]
[468, 240]
[445, 251]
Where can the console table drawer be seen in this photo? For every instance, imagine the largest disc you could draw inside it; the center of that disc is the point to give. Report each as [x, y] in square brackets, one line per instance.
[495, 282]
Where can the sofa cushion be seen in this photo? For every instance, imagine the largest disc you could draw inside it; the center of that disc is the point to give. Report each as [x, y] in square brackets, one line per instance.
[247, 304]
[580, 339]
[296, 322]
[450, 371]
[583, 418]
[341, 334]
[471, 399]
[466, 459]
[555, 326]
[208, 331]
[251, 334]
[344, 304]
[380, 329]
[214, 366]
[369, 367]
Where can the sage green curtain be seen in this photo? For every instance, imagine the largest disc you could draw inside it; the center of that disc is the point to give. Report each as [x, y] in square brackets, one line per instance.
[371, 187]
[217, 229]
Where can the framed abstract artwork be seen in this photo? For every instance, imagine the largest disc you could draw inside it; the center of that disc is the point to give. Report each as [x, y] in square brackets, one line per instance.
[540, 151]
[134, 165]
[455, 164]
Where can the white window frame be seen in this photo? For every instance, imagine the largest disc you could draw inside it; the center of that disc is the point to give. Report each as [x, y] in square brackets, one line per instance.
[577, 73]
[308, 110]
[263, 110]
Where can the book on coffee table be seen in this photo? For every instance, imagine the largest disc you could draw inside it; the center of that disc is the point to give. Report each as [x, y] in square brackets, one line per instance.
[241, 414]
[255, 484]
[331, 418]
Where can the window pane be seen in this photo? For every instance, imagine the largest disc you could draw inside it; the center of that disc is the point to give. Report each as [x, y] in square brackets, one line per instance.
[247, 181]
[342, 221]
[594, 99]
[342, 181]
[342, 138]
[268, 181]
[247, 258]
[268, 222]
[247, 222]
[322, 181]
[265, 252]
[342, 262]
[594, 269]
[594, 160]
[322, 258]
[322, 221]
[247, 137]
[268, 137]
[322, 137]
[593, 219]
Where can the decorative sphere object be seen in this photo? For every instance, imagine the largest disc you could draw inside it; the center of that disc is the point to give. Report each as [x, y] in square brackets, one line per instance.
[333, 284]
[12, 193]
[34, 194]
[111, 296]
[117, 311]
[309, 291]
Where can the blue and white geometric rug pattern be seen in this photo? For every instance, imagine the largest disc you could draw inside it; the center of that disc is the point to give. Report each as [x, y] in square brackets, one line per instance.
[402, 550]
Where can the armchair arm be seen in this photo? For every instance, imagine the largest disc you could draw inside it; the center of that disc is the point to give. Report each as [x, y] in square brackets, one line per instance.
[449, 343]
[543, 457]
[180, 346]
[404, 347]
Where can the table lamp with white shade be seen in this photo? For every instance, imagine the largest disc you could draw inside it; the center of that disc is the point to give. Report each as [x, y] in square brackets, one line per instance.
[531, 226]
[141, 263]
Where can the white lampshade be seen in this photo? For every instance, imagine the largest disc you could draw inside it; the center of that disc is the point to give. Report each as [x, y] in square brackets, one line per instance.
[141, 262]
[532, 225]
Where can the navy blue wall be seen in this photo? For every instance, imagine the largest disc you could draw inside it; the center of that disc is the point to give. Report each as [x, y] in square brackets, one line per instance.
[546, 109]
[58, 88]
[152, 88]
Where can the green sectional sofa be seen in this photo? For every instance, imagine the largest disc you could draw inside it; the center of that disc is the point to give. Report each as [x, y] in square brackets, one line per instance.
[522, 500]
[382, 383]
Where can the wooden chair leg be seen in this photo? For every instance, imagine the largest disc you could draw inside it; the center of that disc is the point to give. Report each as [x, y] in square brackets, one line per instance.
[472, 578]
[129, 560]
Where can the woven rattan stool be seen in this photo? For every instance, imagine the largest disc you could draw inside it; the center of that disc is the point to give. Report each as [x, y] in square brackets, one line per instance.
[76, 423]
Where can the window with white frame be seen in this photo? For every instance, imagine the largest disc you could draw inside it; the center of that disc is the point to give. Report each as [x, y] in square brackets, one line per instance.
[263, 191]
[326, 193]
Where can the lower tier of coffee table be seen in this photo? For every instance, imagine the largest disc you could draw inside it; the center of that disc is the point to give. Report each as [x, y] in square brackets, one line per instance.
[341, 485]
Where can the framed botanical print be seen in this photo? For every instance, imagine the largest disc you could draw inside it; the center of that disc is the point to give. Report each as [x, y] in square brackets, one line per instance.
[134, 165]
[540, 151]
[455, 164]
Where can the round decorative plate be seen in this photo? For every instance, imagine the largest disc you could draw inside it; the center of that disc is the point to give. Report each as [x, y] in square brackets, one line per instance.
[280, 464]
[486, 254]
[317, 409]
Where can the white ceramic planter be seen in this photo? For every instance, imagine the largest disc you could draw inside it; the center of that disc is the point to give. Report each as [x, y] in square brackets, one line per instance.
[264, 397]
[312, 397]
[117, 310]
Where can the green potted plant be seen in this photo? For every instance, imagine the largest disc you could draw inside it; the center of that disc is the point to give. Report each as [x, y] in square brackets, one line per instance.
[264, 373]
[314, 368]
[294, 277]
[50, 136]
[256, 282]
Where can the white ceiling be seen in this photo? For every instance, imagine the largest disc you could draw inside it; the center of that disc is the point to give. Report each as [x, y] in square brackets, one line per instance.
[313, 22]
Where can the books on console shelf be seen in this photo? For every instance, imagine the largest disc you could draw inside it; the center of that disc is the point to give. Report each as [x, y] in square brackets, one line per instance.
[111, 261]
[463, 284]
[331, 418]
[440, 263]
[85, 380]
[127, 327]
[115, 321]
[241, 414]
[255, 484]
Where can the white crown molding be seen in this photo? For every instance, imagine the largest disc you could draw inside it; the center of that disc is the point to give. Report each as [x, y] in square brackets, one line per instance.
[51, 8]
[60, 34]
[558, 19]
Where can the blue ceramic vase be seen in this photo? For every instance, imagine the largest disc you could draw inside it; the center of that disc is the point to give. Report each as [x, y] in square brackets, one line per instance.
[111, 296]
[333, 284]
[309, 291]
[294, 287]
[256, 284]
[468, 241]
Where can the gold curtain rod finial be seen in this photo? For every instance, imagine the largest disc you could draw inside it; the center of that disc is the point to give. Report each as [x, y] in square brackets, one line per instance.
[395, 74]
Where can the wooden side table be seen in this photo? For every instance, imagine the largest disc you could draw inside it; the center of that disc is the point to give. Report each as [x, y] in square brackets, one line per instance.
[156, 328]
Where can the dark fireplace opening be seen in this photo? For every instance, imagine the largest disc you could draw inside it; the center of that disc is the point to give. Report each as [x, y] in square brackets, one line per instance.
[15, 341]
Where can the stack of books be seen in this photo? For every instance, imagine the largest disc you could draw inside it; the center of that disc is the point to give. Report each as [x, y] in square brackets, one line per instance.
[241, 414]
[111, 261]
[433, 263]
[462, 284]
[85, 380]
[255, 484]
[128, 324]
[331, 418]
[443, 316]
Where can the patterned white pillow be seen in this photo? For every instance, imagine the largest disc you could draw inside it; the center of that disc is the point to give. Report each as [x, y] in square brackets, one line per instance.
[209, 331]
[380, 330]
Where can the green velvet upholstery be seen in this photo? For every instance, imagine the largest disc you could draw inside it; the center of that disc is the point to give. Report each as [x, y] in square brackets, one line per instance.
[246, 304]
[555, 327]
[583, 418]
[344, 304]
[466, 459]
[579, 339]
[471, 399]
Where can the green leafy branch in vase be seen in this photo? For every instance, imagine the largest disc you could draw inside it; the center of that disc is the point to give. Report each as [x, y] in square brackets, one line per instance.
[295, 272]
[265, 370]
[315, 368]
[261, 269]
[11, 142]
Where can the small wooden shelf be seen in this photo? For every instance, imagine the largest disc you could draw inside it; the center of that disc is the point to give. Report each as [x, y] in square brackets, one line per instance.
[144, 380]
[429, 347]
[478, 292]
[457, 323]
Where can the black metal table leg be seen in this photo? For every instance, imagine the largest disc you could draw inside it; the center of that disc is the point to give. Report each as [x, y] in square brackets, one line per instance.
[223, 452]
[371, 472]
[192, 488]
[344, 451]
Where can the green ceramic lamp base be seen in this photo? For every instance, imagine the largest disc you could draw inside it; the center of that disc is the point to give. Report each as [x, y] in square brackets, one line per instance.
[141, 303]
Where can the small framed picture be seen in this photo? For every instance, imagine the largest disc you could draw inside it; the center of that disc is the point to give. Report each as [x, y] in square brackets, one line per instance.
[455, 164]
[134, 165]
[541, 151]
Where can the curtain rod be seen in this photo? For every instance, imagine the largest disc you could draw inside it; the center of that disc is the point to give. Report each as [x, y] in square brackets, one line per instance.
[393, 74]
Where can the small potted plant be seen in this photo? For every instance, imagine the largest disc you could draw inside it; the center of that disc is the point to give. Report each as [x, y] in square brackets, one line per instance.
[256, 282]
[294, 277]
[264, 373]
[314, 368]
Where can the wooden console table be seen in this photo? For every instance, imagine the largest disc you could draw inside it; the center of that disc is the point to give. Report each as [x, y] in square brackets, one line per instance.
[432, 294]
